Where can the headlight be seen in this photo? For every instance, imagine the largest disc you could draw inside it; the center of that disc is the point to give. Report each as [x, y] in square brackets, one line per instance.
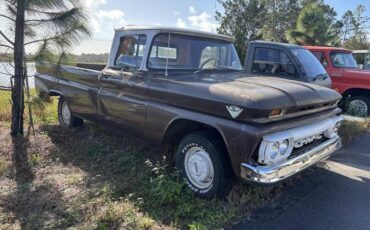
[284, 146]
[275, 151]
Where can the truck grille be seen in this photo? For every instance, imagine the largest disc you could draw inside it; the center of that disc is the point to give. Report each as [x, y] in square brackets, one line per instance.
[313, 107]
[305, 148]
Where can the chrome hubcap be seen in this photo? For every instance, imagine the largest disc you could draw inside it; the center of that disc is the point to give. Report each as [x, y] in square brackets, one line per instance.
[359, 106]
[199, 167]
[66, 114]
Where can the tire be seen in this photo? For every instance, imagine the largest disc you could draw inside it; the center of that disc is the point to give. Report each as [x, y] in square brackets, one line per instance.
[358, 106]
[65, 117]
[202, 163]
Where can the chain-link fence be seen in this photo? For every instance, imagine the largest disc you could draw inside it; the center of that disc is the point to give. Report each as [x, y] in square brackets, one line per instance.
[94, 50]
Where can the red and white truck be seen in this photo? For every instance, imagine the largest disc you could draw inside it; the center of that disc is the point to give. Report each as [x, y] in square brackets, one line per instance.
[347, 78]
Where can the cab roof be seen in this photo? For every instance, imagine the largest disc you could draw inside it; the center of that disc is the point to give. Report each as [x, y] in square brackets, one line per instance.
[177, 30]
[327, 48]
[287, 45]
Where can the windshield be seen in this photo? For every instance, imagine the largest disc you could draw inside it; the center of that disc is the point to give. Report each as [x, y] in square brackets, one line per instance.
[183, 52]
[343, 60]
[311, 66]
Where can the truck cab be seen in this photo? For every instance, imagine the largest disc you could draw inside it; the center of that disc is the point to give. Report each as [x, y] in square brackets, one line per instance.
[286, 61]
[348, 79]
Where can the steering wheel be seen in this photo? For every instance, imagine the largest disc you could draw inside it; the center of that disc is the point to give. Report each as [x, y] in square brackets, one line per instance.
[206, 62]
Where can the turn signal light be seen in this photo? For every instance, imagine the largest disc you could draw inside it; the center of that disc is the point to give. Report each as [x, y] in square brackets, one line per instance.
[275, 112]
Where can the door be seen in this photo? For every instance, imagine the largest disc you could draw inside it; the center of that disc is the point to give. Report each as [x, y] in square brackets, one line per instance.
[123, 93]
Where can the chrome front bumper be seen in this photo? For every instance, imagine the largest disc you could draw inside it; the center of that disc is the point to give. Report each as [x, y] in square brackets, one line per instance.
[280, 171]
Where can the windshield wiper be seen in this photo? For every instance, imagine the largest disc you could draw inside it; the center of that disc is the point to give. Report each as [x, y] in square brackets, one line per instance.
[216, 68]
[323, 75]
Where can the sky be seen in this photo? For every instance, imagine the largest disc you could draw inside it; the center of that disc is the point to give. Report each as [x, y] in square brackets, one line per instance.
[196, 14]
[109, 14]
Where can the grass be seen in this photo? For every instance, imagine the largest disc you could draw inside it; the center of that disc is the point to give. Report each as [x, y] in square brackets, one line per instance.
[352, 126]
[43, 113]
[5, 106]
[92, 178]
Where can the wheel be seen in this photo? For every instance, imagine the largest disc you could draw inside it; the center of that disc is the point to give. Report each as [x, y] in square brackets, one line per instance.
[65, 117]
[358, 105]
[200, 159]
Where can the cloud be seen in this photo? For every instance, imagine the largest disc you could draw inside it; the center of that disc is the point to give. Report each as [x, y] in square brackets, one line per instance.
[176, 13]
[109, 18]
[192, 10]
[180, 23]
[111, 14]
[90, 4]
[203, 22]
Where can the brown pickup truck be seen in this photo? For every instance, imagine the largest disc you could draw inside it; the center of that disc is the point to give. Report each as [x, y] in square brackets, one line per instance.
[185, 93]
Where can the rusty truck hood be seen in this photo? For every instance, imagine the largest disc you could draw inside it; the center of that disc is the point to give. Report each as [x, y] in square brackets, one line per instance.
[256, 95]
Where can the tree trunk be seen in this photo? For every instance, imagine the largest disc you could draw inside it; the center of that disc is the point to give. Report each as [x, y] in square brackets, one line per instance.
[18, 89]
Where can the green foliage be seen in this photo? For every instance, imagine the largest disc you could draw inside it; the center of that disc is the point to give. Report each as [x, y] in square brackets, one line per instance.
[242, 19]
[354, 32]
[354, 43]
[280, 16]
[35, 159]
[352, 127]
[166, 189]
[44, 111]
[49, 56]
[197, 226]
[64, 20]
[314, 27]
[308, 22]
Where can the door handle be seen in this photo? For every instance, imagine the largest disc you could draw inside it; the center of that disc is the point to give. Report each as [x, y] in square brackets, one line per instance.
[103, 76]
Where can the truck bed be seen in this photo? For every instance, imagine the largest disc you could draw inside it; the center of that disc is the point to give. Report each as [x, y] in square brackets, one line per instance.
[78, 84]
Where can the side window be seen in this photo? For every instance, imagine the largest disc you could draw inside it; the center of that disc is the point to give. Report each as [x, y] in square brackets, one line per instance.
[321, 57]
[273, 62]
[130, 52]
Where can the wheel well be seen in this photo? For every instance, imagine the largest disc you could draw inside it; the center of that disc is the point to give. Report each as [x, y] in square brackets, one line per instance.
[356, 92]
[46, 96]
[182, 127]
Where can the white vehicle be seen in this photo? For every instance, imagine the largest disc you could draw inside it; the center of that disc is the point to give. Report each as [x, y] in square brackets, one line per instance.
[362, 58]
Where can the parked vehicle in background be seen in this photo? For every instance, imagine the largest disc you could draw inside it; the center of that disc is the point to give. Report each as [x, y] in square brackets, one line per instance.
[185, 92]
[350, 81]
[286, 61]
[362, 58]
